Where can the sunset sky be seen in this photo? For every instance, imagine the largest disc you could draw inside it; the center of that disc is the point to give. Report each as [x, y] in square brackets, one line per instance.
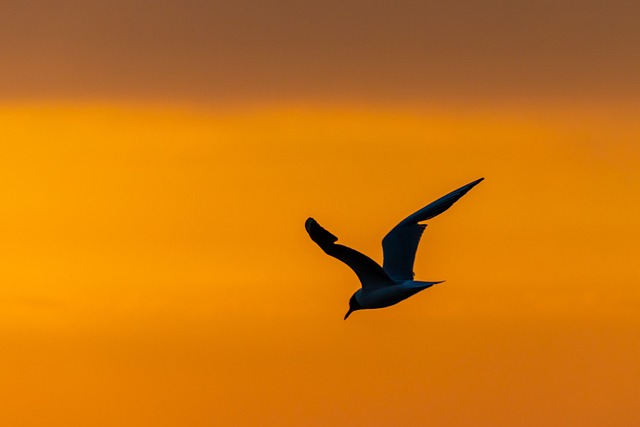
[160, 159]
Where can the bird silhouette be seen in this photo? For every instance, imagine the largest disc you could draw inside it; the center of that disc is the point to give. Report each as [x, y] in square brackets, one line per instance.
[393, 282]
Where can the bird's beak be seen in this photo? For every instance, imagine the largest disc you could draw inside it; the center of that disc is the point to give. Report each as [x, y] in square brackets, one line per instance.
[348, 313]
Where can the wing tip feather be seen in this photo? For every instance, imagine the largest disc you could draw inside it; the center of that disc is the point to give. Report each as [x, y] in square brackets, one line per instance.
[317, 233]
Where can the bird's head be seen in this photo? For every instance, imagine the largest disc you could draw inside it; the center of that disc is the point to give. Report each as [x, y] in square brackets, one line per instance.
[353, 306]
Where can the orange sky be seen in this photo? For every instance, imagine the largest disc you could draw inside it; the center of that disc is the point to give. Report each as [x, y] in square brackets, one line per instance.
[156, 271]
[159, 161]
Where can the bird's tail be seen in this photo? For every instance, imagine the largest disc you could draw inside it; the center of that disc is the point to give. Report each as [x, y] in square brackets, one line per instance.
[318, 234]
[423, 285]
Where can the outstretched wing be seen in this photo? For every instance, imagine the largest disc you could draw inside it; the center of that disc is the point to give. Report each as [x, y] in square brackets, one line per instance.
[400, 246]
[401, 243]
[370, 274]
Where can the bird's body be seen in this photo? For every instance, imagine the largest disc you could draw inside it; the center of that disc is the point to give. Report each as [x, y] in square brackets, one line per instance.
[393, 282]
[390, 295]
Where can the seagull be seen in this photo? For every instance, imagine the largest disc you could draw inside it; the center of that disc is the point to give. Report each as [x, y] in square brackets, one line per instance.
[393, 282]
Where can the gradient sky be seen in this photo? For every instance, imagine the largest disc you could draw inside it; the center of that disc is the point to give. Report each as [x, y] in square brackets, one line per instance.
[248, 50]
[159, 160]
